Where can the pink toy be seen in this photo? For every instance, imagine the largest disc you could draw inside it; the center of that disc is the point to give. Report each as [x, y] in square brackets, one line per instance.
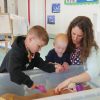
[79, 87]
[41, 88]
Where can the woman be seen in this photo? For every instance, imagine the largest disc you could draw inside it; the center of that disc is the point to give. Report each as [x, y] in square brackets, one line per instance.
[84, 50]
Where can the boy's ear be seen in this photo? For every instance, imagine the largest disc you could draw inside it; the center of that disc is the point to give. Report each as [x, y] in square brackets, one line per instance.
[31, 37]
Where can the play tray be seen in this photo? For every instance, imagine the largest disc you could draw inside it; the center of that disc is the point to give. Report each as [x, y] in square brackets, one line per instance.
[49, 93]
[49, 80]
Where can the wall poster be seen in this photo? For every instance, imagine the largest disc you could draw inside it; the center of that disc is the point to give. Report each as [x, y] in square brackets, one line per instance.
[70, 2]
[50, 19]
[56, 8]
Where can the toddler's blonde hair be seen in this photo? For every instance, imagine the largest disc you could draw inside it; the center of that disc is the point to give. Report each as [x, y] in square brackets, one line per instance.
[61, 37]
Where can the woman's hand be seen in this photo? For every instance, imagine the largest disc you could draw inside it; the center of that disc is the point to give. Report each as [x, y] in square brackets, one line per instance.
[62, 86]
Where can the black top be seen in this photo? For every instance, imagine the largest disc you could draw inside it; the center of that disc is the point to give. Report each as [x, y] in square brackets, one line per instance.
[16, 61]
[53, 57]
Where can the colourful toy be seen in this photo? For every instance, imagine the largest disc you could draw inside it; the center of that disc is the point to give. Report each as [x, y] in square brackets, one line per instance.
[79, 87]
[41, 88]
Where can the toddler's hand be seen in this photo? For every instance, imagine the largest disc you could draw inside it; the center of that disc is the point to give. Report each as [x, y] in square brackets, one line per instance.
[65, 66]
[59, 68]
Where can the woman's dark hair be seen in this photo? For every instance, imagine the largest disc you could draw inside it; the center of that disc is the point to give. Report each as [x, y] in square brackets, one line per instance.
[85, 24]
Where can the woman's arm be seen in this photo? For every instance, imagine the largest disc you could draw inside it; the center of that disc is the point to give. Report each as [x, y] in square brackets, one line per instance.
[93, 63]
[84, 77]
[93, 71]
[76, 79]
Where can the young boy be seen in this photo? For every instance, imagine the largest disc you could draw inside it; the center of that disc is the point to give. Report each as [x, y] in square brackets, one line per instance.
[58, 54]
[24, 56]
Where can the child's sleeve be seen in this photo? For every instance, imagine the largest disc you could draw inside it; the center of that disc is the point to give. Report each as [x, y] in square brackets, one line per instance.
[15, 66]
[49, 57]
[68, 58]
[43, 65]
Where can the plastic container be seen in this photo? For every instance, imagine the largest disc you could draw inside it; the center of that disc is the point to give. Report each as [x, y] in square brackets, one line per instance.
[6, 86]
[51, 80]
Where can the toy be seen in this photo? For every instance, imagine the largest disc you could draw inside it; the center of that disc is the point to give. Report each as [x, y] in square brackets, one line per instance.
[71, 85]
[79, 87]
[41, 88]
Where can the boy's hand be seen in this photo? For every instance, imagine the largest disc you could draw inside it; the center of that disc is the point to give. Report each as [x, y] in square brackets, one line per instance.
[41, 88]
[65, 66]
[59, 68]
[33, 86]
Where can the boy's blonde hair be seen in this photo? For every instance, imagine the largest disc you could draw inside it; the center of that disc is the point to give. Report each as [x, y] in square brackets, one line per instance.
[61, 37]
[40, 32]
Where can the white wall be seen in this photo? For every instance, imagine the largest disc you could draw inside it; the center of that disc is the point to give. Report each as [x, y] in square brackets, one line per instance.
[22, 8]
[11, 6]
[68, 12]
[37, 12]
[2, 5]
